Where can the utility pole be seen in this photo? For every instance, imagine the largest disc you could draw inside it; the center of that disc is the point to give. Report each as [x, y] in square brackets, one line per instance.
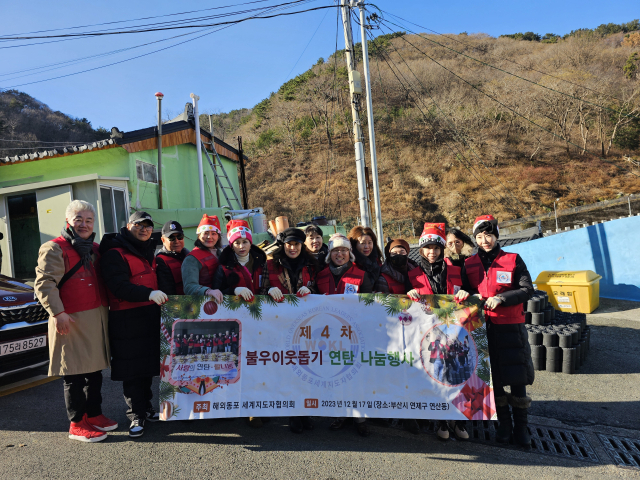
[196, 115]
[355, 88]
[372, 135]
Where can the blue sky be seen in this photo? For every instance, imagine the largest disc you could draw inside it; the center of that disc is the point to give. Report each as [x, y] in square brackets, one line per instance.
[236, 67]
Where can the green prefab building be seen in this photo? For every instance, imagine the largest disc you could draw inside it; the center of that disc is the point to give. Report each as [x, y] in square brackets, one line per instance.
[117, 176]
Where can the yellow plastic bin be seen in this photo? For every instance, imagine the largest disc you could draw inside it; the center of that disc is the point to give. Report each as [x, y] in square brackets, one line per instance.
[577, 291]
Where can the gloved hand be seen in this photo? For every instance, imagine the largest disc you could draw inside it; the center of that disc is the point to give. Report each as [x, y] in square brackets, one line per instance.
[462, 295]
[303, 292]
[158, 296]
[215, 294]
[493, 302]
[276, 294]
[244, 292]
[413, 294]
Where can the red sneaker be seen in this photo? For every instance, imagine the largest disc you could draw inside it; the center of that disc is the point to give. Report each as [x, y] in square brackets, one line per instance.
[102, 423]
[84, 432]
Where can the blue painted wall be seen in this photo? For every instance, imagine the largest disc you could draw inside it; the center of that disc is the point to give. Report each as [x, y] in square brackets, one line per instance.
[610, 249]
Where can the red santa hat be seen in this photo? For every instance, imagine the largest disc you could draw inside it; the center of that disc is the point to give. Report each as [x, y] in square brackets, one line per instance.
[433, 234]
[238, 229]
[209, 222]
[486, 223]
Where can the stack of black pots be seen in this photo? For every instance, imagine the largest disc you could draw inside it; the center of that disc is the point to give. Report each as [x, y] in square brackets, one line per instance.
[559, 340]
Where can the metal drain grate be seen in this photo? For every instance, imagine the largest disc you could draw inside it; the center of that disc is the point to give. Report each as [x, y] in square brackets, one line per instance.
[563, 443]
[547, 441]
[625, 452]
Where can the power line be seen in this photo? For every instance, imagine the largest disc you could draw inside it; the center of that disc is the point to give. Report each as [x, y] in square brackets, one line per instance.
[144, 54]
[459, 155]
[458, 133]
[307, 46]
[145, 30]
[520, 115]
[505, 59]
[513, 74]
[142, 18]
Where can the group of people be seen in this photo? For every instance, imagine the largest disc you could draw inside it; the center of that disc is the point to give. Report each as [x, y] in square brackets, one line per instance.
[206, 344]
[104, 301]
[448, 356]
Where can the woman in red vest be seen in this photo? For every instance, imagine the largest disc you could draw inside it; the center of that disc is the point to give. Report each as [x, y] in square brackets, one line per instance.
[366, 252]
[435, 277]
[199, 267]
[291, 271]
[394, 274]
[69, 287]
[342, 276]
[503, 281]
[241, 263]
[169, 259]
[459, 248]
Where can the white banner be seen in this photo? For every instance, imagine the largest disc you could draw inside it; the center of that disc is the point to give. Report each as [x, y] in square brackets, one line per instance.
[366, 355]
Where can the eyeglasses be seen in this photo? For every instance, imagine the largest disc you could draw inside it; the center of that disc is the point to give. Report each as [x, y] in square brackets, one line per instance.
[175, 238]
[143, 227]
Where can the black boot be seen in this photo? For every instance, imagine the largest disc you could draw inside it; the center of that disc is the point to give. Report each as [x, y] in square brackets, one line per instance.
[521, 435]
[505, 427]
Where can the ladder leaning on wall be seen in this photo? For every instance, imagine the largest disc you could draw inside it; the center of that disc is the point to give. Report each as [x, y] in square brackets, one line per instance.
[219, 172]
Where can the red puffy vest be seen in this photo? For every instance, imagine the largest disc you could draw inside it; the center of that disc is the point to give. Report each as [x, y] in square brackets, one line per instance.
[140, 273]
[326, 284]
[175, 266]
[395, 287]
[420, 282]
[498, 279]
[209, 264]
[247, 280]
[436, 352]
[275, 270]
[84, 290]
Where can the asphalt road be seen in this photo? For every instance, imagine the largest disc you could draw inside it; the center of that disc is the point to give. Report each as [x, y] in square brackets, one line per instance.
[604, 397]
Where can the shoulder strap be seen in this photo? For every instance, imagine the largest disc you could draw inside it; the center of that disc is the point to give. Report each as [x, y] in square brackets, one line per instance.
[69, 274]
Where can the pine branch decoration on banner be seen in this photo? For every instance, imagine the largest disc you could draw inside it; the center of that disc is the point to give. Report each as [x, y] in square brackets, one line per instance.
[292, 300]
[395, 304]
[367, 298]
[166, 391]
[445, 311]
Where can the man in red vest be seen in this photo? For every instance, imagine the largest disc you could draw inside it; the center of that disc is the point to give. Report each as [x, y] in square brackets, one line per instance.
[69, 287]
[169, 259]
[129, 272]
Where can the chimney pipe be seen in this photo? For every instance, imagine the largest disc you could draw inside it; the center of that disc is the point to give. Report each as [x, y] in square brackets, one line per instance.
[159, 96]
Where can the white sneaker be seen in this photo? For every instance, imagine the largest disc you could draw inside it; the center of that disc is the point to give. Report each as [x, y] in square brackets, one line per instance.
[136, 429]
[443, 431]
[461, 432]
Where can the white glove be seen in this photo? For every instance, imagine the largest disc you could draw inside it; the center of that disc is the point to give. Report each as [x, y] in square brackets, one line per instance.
[303, 292]
[493, 302]
[243, 292]
[158, 296]
[413, 294]
[462, 295]
[275, 293]
[215, 294]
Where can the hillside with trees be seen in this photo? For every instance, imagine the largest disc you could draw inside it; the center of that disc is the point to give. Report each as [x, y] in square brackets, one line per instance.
[465, 124]
[28, 125]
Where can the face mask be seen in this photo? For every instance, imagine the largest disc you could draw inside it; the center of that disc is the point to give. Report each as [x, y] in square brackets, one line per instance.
[398, 261]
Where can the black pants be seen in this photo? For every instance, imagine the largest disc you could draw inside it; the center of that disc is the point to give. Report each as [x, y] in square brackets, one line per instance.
[138, 395]
[82, 395]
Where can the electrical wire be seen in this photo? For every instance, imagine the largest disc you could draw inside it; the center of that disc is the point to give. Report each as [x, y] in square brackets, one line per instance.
[526, 67]
[458, 155]
[307, 46]
[460, 136]
[522, 116]
[512, 74]
[141, 55]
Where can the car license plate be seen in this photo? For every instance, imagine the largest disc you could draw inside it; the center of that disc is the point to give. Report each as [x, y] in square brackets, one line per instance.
[22, 345]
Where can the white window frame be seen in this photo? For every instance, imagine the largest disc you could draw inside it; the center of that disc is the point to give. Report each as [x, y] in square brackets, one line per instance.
[113, 205]
[142, 165]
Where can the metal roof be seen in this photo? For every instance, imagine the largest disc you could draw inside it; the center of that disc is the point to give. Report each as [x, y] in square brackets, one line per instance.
[58, 151]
